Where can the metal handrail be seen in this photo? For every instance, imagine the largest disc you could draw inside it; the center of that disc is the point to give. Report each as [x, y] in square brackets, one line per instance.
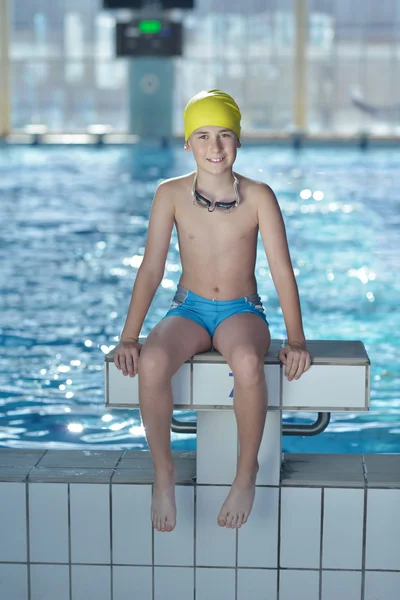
[306, 429]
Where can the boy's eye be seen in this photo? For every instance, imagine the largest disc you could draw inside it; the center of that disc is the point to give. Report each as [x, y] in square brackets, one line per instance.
[202, 137]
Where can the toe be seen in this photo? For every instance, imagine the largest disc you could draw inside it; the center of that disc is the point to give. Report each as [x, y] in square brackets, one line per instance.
[234, 521]
[222, 518]
[239, 521]
[169, 525]
[229, 519]
[221, 522]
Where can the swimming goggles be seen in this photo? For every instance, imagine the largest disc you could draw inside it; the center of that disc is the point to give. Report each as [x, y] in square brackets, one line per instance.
[224, 207]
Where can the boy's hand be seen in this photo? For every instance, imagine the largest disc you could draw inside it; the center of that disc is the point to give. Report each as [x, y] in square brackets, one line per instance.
[126, 357]
[296, 358]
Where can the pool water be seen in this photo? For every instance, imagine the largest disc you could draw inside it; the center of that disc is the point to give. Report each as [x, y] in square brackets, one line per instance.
[74, 225]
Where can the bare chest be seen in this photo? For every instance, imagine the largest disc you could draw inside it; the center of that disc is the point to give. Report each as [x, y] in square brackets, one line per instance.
[211, 231]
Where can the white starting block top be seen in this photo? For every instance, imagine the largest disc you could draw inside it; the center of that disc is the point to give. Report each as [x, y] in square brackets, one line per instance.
[338, 380]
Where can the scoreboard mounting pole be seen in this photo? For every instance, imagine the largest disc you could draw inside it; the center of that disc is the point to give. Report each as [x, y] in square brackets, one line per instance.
[151, 40]
[5, 125]
[151, 93]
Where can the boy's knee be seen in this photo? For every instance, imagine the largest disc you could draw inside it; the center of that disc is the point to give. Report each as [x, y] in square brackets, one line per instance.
[153, 362]
[247, 367]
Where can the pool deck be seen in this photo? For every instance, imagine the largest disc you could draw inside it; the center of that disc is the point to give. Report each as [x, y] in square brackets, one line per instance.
[76, 525]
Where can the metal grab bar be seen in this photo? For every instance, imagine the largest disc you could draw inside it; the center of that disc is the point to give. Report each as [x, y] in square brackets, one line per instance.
[306, 429]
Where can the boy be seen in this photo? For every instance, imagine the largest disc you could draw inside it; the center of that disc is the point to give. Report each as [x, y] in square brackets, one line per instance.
[217, 214]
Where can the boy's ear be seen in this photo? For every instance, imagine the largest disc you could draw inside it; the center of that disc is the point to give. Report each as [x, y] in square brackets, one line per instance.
[186, 146]
[238, 144]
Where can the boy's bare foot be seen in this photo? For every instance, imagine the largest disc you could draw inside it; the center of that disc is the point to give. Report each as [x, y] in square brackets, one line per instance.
[239, 502]
[163, 507]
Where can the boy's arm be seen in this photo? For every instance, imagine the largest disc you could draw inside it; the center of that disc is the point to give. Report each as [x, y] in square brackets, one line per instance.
[151, 271]
[273, 234]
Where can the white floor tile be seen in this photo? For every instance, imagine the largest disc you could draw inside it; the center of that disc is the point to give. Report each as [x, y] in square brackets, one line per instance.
[345, 585]
[217, 447]
[343, 529]
[215, 584]
[382, 586]
[177, 546]
[48, 522]
[13, 538]
[257, 584]
[215, 545]
[90, 523]
[173, 582]
[13, 582]
[300, 527]
[132, 527]
[383, 530]
[132, 583]
[90, 581]
[49, 582]
[298, 585]
[258, 538]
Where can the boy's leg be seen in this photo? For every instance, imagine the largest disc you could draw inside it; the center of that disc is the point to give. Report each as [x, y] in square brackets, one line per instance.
[169, 344]
[243, 339]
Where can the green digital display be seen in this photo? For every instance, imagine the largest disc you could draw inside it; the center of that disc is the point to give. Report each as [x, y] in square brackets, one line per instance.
[149, 26]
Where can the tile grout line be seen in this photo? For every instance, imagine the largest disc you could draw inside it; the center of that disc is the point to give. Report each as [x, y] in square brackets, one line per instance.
[321, 540]
[237, 531]
[69, 539]
[28, 552]
[114, 470]
[194, 536]
[278, 576]
[111, 541]
[364, 537]
[282, 458]
[236, 562]
[127, 564]
[152, 554]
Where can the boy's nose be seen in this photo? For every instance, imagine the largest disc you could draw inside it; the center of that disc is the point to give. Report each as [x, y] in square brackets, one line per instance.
[216, 144]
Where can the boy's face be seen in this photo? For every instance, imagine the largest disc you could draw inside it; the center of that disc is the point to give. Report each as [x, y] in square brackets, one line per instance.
[213, 147]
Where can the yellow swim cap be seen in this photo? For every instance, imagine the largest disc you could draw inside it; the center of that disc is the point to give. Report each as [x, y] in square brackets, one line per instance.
[211, 107]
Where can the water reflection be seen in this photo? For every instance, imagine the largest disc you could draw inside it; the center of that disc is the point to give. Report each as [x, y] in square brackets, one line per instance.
[75, 238]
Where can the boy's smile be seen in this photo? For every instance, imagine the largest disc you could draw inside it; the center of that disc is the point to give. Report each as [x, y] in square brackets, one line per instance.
[216, 160]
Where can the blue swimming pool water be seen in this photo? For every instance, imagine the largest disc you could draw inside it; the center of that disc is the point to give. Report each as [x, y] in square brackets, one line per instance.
[74, 224]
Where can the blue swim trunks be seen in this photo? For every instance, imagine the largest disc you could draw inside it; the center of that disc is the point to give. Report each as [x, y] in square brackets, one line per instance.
[210, 313]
